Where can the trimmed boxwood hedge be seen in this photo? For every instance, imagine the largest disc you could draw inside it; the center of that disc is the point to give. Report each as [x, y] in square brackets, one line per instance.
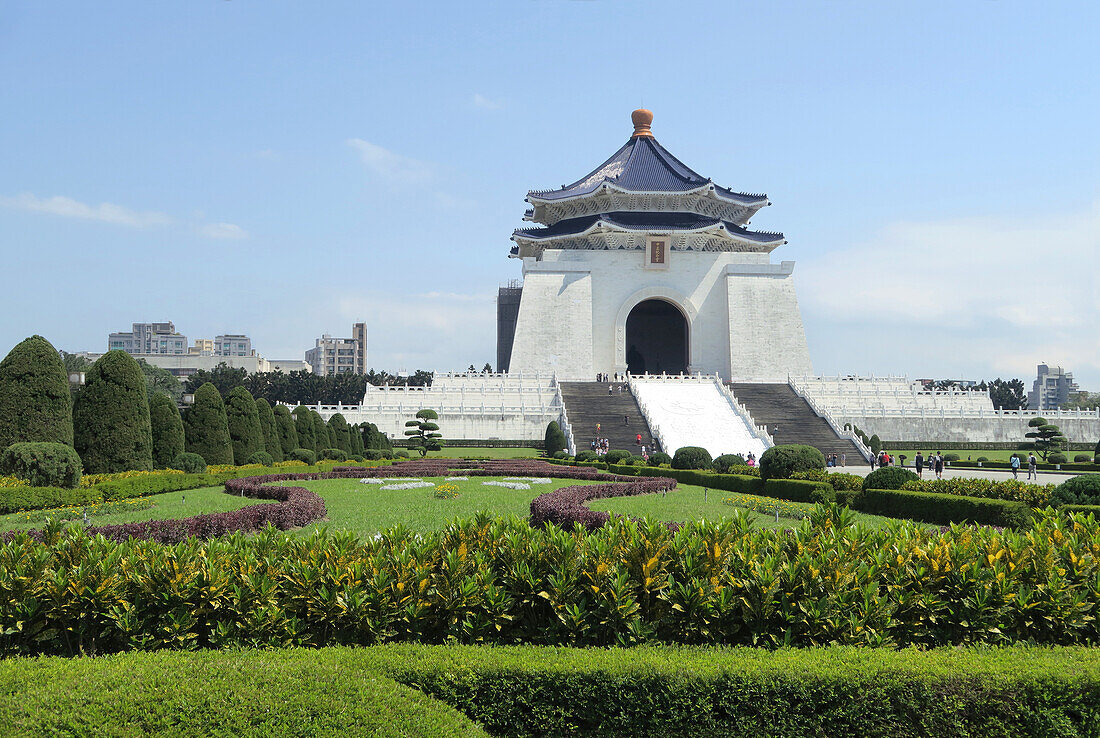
[930, 507]
[780, 462]
[42, 464]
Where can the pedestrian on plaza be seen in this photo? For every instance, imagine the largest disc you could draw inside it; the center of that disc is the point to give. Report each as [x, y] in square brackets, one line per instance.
[1014, 462]
[918, 463]
[939, 465]
[844, 459]
[597, 429]
[610, 389]
[638, 438]
[1032, 467]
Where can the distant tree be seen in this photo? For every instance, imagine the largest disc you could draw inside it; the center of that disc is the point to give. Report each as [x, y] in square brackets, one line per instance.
[35, 403]
[554, 440]
[472, 369]
[1096, 453]
[341, 433]
[303, 424]
[374, 438]
[160, 380]
[1006, 394]
[206, 428]
[222, 377]
[74, 362]
[875, 444]
[287, 432]
[320, 433]
[356, 440]
[424, 435]
[270, 432]
[1046, 438]
[244, 425]
[166, 426]
[111, 429]
[487, 369]
[1083, 401]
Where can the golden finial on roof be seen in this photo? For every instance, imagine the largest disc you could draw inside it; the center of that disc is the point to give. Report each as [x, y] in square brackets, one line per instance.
[642, 120]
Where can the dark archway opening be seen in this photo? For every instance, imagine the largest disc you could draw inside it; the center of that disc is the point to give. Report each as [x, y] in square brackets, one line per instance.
[656, 338]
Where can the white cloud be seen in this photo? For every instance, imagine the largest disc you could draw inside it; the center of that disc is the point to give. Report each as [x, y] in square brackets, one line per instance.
[997, 295]
[480, 101]
[226, 231]
[390, 166]
[66, 207]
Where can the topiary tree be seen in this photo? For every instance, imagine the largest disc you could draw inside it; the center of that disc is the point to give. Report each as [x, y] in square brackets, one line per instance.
[889, 477]
[691, 457]
[658, 458]
[374, 438]
[284, 428]
[425, 435]
[875, 444]
[1047, 437]
[357, 447]
[270, 433]
[205, 427]
[244, 425]
[35, 402]
[42, 464]
[166, 427]
[554, 439]
[263, 458]
[304, 455]
[780, 462]
[321, 437]
[303, 425]
[189, 463]
[723, 463]
[111, 429]
[616, 456]
[341, 433]
[334, 454]
[1080, 490]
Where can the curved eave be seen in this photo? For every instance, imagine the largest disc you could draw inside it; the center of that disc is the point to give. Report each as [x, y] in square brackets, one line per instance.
[601, 226]
[708, 188]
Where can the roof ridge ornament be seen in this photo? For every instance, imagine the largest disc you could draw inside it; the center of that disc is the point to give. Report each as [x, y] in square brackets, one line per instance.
[642, 120]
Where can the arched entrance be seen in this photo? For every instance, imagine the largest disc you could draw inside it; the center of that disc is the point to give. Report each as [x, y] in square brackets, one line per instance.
[656, 338]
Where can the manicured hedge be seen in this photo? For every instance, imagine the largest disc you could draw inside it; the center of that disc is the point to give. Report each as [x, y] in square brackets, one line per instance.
[42, 464]
[520, 691]
[930, 507]
[35, 402]
[111, 429]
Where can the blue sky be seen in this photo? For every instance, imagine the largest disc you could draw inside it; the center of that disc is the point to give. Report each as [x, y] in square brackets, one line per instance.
[285, 169]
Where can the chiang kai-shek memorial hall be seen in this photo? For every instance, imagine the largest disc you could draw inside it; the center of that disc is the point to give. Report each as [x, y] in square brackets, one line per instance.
[643, 265]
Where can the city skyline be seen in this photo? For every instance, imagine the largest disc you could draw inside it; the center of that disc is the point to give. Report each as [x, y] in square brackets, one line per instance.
[933, 168]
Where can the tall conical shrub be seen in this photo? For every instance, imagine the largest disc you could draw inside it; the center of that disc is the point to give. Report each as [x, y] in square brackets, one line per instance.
[267, 425]
[303, 423]
[205, 427]
[341, 433]
[35, 403]
[284, 426]
[111, 429]
[244, 425]
[356, 440]
[321, 435]
[555, 438]
[167, 429]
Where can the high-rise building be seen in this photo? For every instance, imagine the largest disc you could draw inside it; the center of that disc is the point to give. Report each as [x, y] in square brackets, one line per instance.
[232, 344]
[1053, 386]
[340, 355]
[149, 338]
[202, 347]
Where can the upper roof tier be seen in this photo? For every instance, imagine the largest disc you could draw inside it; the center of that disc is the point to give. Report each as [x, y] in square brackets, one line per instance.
[647, 177]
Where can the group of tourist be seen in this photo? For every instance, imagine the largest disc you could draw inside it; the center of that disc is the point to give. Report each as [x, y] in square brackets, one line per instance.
[836, 460]
[934, 462]
[1032, 466]
[601, 446]
[605, 377]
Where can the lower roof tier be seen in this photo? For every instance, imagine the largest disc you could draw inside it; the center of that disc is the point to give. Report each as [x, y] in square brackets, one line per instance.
[644, 221]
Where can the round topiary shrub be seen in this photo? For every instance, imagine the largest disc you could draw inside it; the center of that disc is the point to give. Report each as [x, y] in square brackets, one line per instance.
[1082, 459]
[356, 457]
[723, 463]
[372, 454]
[304, 455]
[554, 439]
[587, 456]
[261, 457]
[1057, 458]
[659, 458]
[189, 463]
[635, 461]
[42, 464]
[334, 454]
[616, 456]
[780, 462]
[692, 457]
[1079, 490]
[562, 455]
[399, 454]
[889, 477]
[983, 459]
[950, 457]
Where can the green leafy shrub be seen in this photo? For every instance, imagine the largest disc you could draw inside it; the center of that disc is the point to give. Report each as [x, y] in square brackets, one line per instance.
[341, 432]
[111, 428]
[635, 461]
[691, 457]
[745, 470]
[1083, 489]
[400, 453]
[723, 463]
[554, 440]
[889, 477]
[35, 403]
[243, 421]
[780, 462]
[587, 456]
[42, 464]
[561, 455]
[269, 429]
[658, 458]
[304, 455]
[1035, 495]
[190, 463]
[944, 509]
[285, 430]
[334, 454]
[261, 457]
[950, 457]
[303, 426]
[983, 459]
[372, 454]
[1057, 458]
[357, 457]
[206, 428]
[166, 428]
[875, 444]
[1082, 459]
[616, 456]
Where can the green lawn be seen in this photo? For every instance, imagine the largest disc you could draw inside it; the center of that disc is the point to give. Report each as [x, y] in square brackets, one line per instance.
[687, 502]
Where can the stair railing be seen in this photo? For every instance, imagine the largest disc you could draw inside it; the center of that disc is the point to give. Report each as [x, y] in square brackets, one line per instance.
[563, 419]
[824, 414]
[654, 429]
[759, 431]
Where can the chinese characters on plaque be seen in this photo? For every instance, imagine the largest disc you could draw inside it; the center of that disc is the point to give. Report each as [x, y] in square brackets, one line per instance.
[656, 252]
